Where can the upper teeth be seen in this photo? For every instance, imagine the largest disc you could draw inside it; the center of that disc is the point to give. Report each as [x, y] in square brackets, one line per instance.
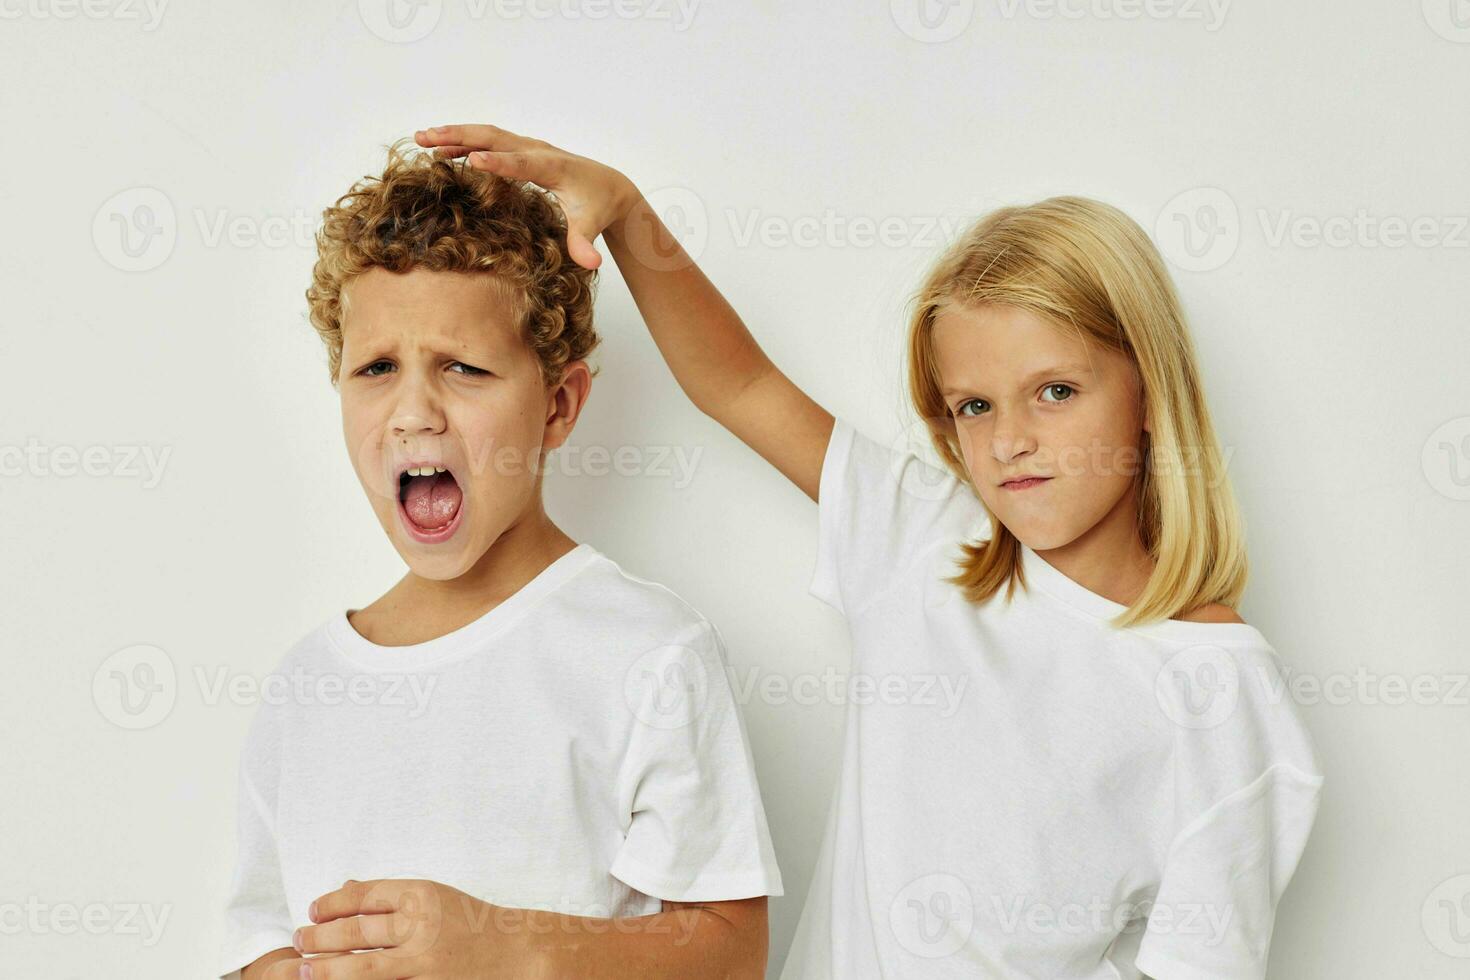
[424, 470]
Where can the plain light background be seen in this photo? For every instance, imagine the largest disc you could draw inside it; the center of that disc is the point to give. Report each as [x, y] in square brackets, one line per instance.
[1303, 165]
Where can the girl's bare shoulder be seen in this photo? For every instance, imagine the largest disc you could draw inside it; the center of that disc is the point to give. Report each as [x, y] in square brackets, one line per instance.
[1215, 612]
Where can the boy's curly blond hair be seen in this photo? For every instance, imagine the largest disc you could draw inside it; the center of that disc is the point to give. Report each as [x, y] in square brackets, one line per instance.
[429, 213]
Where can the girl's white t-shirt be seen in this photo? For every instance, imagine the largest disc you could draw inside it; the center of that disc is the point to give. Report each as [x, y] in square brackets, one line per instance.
[1025, 790]
[577, 748]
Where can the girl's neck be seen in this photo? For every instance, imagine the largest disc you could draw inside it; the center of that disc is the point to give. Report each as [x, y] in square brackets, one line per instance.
[1109, 558]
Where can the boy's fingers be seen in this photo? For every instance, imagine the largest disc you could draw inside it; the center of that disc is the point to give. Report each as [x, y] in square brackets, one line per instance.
[290, 969]
[359, 898]
[355, 932]
[480, 137]
[354, 966]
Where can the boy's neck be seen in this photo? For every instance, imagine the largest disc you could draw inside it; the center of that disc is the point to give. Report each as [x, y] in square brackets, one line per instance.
[521, 552]
[417, 609]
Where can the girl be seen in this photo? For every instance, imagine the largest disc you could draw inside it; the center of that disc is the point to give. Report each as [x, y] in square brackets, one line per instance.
[1120, 789]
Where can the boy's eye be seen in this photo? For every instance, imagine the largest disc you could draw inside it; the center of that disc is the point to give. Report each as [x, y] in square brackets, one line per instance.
[468, 369]
[1065, 387]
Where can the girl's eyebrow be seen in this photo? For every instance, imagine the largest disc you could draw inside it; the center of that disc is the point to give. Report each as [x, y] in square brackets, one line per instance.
[1033, 377]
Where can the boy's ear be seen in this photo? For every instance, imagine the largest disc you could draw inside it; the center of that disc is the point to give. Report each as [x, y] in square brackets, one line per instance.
[565, 401]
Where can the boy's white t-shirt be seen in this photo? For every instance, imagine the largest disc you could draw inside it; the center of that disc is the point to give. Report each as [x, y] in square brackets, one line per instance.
[1025, 790]
[577, 748]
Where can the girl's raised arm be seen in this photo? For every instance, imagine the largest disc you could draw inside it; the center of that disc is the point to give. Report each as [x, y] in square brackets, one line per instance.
[713, 356]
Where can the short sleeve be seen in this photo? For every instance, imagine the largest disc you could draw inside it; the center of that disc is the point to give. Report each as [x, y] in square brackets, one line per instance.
[1246, 786]
[1215, 909]
[879, 509]
[257, 919]
[696, 827]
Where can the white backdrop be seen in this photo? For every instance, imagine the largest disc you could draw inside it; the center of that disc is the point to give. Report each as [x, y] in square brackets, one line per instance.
[174, 475]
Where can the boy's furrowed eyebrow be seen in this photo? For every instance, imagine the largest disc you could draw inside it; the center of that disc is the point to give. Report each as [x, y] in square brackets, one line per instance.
[1056, 370]
[483, 349]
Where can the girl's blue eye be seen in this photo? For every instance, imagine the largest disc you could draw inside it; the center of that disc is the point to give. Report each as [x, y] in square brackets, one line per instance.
[1067, 387]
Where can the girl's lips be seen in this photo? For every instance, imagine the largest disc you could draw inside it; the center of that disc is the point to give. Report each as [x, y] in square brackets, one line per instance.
[1035, 481]
[437, 536]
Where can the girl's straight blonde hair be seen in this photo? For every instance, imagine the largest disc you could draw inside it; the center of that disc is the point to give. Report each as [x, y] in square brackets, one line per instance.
[1088, 267]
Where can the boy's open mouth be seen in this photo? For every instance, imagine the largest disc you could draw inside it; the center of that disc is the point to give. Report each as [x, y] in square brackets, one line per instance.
[430, 503]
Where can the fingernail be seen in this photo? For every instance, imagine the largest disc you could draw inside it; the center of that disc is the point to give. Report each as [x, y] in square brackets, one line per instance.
[311, 912]
[296, 940]
[305, 973]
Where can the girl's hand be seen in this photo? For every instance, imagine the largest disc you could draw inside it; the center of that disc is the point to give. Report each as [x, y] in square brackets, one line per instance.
[591, 195]
[409, 928]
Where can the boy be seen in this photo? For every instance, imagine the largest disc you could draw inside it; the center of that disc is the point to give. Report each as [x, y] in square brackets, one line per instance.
[521, 761]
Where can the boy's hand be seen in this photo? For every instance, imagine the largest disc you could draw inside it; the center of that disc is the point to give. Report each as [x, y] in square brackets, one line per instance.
[592, 196]
[412, 929]
[281, 964]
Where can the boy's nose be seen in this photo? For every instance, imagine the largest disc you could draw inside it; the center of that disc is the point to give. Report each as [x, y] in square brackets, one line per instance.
[417, 410]
[414, 424]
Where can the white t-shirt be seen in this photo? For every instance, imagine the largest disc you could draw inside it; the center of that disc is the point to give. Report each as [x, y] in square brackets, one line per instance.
[1022, 784]
[577, 748]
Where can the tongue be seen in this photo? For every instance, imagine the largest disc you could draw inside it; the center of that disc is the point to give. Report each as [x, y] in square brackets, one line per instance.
[432, 501]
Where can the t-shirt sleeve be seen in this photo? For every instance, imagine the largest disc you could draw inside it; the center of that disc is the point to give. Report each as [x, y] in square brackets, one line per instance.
[1215, 910]
[879, 509]
[257, 919]
[1246, 794]
[696, 827]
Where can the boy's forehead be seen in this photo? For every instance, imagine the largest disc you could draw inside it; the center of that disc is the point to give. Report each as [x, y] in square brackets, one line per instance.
[465, 309]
